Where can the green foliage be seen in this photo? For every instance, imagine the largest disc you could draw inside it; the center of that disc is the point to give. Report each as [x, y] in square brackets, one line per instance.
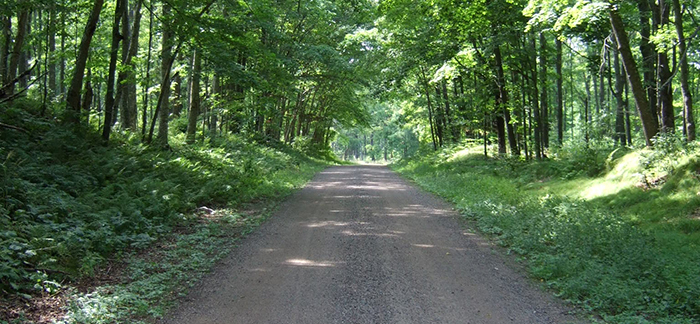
[596, 255]
[157, 279]
[69, 203]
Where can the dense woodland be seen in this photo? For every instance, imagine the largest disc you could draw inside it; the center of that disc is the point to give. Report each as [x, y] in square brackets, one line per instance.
[103, 102]
[533, 74]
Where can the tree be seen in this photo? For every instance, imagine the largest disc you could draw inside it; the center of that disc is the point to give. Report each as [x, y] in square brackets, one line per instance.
[110, 101]
[560, 93]
[649, 121]
[127, 77]
[11, 77]
[167, 59]
[194, 96]
[76, 84]
[689, 118]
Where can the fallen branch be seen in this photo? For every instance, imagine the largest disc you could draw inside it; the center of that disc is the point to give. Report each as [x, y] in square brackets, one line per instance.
[19, 129]
[7, 86]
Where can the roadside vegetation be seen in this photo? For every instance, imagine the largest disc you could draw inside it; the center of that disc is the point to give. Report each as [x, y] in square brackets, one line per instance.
[112, 232]
[613, 231]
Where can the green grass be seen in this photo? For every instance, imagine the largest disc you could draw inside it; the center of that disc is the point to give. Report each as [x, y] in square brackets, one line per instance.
[589, 232]
[71, 207]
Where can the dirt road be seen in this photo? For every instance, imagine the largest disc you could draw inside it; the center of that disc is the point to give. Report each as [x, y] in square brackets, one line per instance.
[361, 245]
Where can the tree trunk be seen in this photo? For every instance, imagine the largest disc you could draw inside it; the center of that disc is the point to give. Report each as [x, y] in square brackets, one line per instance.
[16, 53]
[544, 99]
[76, 84]
[439, 118]
[194, 103]
[87, 97]
[216, 93]
[163, 107]
[371, 144]
[535, 100]
[501, 132]
[5, 46]
[628, 124]
[685, 74]
[62, 66]
[25, 56]
[146, 96]
[450, 127]
[177, 89]
[601, 84]
[127, 84]
[621, 106]
[110, 101]
[560, 94]
[121, 97]
[523, 117]
[665, 76]
[53, 88]
[586, 110]
[503, 101]
[649, 122]
[648, 55]
[430, 109]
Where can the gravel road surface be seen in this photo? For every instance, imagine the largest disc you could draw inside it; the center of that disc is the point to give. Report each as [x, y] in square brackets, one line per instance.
[361, 245]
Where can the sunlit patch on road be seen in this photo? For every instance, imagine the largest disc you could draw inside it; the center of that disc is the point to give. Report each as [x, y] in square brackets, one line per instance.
[310, 263]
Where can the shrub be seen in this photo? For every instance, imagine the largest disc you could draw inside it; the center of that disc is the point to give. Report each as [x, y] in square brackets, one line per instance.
[69, 203]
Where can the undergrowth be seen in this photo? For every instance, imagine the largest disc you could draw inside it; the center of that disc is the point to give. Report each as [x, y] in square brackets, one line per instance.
[612, 254]
[69, 204]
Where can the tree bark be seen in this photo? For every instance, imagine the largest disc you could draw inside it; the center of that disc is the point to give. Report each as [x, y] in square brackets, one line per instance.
[87, 97]
[439, 118]
[628, 124]
[648, 55]
[450, 127]
[665, 76]
[110, 101]
[25, 56]
[194, 103]
[76, 84]
[127, 77]
[685, 74]
[544, 98]
[560, 93]
[146, 96]
[216, 93]
[503, 101]
[16, 53]
[62, 66]
[53, 88]
[586, 109]
[620, 135]
[163, 108]
[649, 122]
[5, 46]
[535, 100]
[430, 108]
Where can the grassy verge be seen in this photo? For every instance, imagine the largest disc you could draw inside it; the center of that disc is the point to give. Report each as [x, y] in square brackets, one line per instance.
[115, 234]
[622, 244]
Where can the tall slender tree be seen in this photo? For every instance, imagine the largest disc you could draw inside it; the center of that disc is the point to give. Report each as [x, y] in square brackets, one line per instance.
[110, 101]
[76, 84]
[194, 102]
[649, 122]
[689, 118]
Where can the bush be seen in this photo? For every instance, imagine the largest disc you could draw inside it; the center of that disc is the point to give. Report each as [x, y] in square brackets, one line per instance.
[69, 203]
[589, 254]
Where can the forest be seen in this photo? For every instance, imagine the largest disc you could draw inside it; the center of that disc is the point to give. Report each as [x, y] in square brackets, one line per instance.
[128, 124]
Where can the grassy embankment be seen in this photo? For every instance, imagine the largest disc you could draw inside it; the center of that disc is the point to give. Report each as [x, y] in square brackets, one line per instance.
[116, 234]
[616, 233]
